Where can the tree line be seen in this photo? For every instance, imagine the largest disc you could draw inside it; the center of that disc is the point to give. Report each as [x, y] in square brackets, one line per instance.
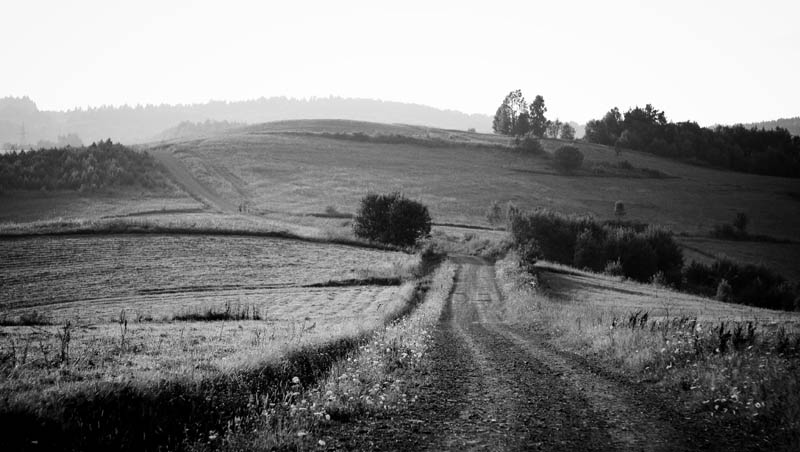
[515, 117]
[752, 150]
[101, 165]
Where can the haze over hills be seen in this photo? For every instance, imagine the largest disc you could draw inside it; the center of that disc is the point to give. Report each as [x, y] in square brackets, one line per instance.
[144, 123]
[790, 124]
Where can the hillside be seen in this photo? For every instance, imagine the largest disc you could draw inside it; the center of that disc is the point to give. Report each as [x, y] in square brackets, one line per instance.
[144, 123]
[290, 167]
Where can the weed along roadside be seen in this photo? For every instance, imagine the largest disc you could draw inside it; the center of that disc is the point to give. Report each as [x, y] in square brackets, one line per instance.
[179, 412]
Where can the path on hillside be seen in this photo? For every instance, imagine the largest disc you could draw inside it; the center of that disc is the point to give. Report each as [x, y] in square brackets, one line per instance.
[496, 387]
[190, 184]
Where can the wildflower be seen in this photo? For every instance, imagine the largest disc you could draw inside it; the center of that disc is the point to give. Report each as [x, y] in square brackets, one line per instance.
[321, 442]
[296, 380]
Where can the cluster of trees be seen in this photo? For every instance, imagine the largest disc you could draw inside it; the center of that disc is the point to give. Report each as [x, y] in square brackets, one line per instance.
[642, 253]
[101, 165]
[515, 117]
[637, 253]
[771, 152]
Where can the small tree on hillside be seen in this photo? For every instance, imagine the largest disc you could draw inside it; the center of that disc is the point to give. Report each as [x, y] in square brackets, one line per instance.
[567, 159]
[392, 219]
[509, 119]
[537, 118]
[554, 128]
[567, 132]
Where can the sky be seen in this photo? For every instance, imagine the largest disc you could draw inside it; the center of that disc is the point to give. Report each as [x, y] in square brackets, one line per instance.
[714, 62]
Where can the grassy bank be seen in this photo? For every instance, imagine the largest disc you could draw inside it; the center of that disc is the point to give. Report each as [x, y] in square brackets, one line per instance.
[732, 367]
[376, 377]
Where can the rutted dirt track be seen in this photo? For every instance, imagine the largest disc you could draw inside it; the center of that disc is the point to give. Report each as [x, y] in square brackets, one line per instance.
[188, 182]
[496, 387]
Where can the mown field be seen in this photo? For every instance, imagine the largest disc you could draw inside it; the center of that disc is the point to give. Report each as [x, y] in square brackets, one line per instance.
[148, 307]
[283, 167]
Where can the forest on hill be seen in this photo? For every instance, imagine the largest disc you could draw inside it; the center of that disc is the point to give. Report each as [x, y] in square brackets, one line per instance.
[98, 166]
[774, 152]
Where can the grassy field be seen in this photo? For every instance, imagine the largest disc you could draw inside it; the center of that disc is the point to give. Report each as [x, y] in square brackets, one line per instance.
[23, 207]
[721, 361]
[198, 296]
[277, 171]
[148, 307]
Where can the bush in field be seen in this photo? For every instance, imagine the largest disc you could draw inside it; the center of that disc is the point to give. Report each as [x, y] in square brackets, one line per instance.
[530, 145]
[724, 291]
[589, 250]
[613, 268]
[495, 213]
[585, 243]
[392, 219]
[748, 284]
[529, 254]
[567, 159]
[669, 256]
[638, 259]
[555, 233]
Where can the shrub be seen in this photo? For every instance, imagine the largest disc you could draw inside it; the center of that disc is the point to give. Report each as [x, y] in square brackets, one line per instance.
[589, 252]
[724, 291]
[619, 210]
[555, 233]
[740, 222]
[613, 268]
[641, 250]
[529, 254]
[669, 256]
[567, 158]
[495, 213]
[744, 284]
[392, 219]
[637, 257]
[624, 164]
[530, 145]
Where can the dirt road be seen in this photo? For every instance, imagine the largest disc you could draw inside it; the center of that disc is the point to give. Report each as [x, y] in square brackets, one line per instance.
[497, 387]
[190, 184]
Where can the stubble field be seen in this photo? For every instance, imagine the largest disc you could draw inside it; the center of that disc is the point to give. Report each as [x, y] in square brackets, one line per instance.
[148, 307]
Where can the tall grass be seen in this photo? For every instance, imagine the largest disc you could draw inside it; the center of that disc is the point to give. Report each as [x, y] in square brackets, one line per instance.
[732, 371]
[376, 377]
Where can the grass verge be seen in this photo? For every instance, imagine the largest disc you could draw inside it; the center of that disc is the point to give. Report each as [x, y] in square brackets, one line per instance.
[376, 377]
[740, 374]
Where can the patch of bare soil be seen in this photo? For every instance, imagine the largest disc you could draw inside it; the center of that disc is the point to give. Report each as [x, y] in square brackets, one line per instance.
[493, 386]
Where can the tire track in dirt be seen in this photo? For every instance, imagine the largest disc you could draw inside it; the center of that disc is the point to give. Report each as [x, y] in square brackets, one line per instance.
[190, 184]
[494, 388]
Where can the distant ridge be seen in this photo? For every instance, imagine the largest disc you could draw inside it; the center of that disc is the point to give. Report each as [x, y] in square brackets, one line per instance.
[790, 124]
[145, 123]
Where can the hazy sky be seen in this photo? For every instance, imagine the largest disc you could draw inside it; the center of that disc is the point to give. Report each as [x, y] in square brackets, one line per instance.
[709, 61]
